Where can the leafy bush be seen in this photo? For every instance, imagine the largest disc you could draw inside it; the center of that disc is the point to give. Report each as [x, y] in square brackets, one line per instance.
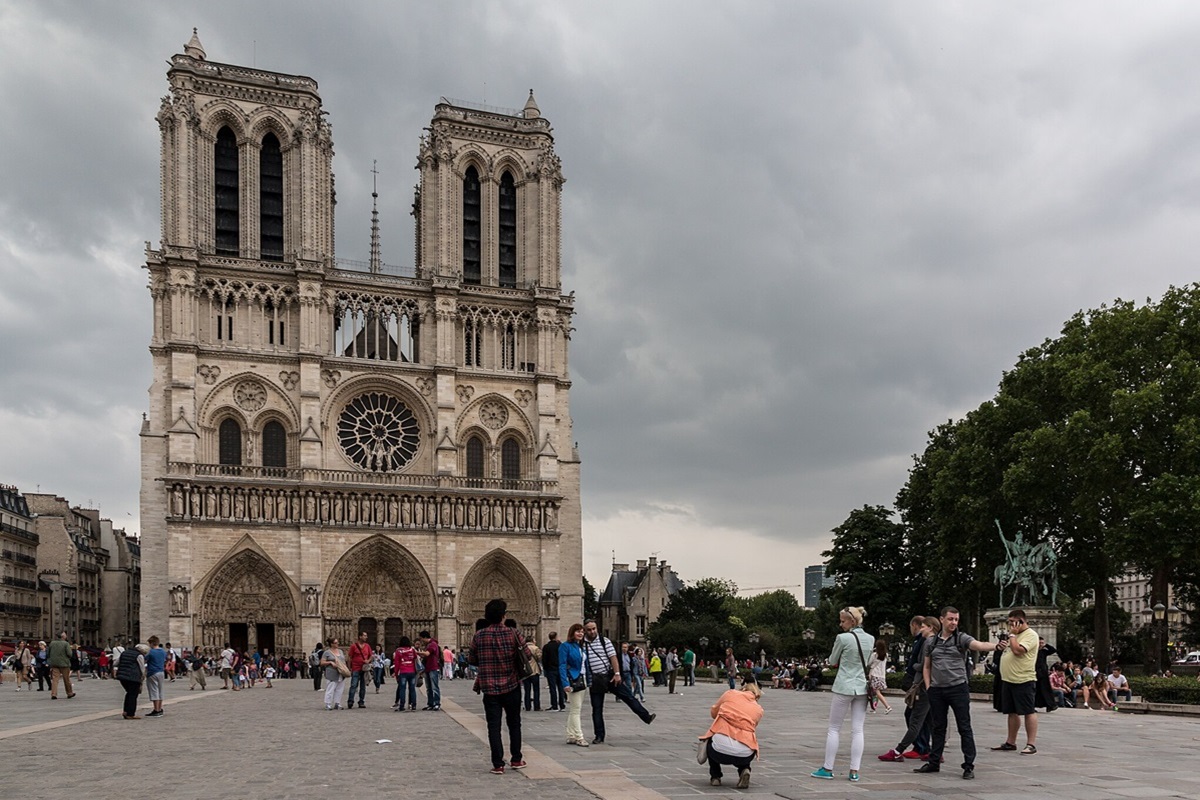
[1166, 690]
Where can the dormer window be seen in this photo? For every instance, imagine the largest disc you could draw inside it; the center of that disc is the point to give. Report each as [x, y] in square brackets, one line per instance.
[225, 169]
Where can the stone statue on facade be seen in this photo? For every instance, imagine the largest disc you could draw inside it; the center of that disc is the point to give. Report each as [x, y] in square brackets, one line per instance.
[446, 603]
[1030, 570]
[311, 601]
[179, 601]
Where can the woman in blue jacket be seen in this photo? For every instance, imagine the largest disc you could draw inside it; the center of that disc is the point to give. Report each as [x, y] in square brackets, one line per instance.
[570, 668]
[851, 649]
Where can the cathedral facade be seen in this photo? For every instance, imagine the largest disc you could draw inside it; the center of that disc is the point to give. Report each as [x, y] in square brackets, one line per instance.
[334, 447]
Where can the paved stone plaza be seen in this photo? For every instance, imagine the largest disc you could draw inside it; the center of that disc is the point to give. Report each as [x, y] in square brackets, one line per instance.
[281, 743]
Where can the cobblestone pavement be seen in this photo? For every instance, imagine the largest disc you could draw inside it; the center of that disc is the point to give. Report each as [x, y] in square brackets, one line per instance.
[281, 743]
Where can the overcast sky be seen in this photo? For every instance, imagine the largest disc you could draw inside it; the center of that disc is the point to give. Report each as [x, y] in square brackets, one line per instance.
[800, 234]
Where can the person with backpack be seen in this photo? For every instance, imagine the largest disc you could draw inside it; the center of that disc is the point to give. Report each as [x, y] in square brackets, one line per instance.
[314, 665]
[850, 691]
[947, 673]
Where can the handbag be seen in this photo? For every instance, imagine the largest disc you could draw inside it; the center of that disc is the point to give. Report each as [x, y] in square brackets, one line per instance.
[863, 661]
[341, 667]
[578, 684]
[420, 679]
[702, 751]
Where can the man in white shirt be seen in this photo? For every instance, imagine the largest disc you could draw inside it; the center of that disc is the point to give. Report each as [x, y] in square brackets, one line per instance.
[227, 657]
[1118, 685]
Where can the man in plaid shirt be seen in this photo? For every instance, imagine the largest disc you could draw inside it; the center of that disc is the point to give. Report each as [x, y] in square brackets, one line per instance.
[493, 652]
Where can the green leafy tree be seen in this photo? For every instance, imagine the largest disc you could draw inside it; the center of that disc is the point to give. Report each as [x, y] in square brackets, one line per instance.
[1093, 441]
[869, 565]
[591, 601]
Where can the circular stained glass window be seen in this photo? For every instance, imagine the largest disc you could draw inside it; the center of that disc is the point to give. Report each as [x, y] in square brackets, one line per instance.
[378, 432]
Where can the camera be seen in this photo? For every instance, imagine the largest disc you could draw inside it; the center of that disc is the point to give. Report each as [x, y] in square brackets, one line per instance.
[1002, 637]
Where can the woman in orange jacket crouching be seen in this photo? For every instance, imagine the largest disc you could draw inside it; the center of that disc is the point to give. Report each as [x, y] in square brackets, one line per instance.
[731, 739]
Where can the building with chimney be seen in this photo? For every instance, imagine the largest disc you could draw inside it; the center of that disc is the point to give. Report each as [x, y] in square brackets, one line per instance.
[634, 598]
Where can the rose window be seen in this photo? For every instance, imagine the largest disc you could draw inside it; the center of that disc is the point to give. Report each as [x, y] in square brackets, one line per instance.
[378, 432]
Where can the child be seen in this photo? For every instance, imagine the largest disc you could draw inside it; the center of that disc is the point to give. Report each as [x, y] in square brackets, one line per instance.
[877, 676]
[268, 674]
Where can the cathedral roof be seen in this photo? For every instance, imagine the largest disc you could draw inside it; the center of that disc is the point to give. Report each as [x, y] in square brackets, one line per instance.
[531, 107]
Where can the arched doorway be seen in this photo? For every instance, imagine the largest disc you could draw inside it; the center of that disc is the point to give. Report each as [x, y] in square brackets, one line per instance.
[498, 574]
[379, 587]
[249, 603]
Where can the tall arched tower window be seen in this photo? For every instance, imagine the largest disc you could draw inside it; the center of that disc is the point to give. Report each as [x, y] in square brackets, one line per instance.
[474, 457]
[230, 443]
[508, 231]
[225, 163]
[510, 460]
[472, 229]
[270, 188]
[274, 445]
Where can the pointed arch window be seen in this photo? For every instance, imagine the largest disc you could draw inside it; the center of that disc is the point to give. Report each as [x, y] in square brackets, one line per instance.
[225, 168]
[510, 460]
[270, 189]
[508, 231]
[229, 441]
[274, 445]
[472, 344]
[472, 228]
[474, 458]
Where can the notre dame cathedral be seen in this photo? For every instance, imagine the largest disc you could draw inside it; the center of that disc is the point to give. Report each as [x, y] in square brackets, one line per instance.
[331, 446]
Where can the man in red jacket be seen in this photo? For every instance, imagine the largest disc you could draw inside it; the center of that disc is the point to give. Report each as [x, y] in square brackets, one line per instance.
[360, 657]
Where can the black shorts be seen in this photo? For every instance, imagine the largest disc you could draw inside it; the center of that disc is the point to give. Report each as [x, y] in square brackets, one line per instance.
[1017, 698]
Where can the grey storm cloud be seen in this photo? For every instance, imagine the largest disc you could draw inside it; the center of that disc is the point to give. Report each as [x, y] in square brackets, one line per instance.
[800, 235]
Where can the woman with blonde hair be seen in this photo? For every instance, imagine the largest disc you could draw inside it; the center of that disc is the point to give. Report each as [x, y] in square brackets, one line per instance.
[849, 656]
[731, 738]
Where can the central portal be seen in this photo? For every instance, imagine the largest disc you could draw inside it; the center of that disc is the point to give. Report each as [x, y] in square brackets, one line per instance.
[378, 587]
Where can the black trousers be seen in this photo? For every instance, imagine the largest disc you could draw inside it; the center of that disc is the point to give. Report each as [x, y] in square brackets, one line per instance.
[716, 758]
[509, 706]
[132, 689]
[941, 700]
[557, 696]
[533, 693]
[316, 676]
[602, 685]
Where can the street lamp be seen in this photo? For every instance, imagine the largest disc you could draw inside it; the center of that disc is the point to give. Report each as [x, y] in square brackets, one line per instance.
[809, 634]
[1160, 611]
[885, 632]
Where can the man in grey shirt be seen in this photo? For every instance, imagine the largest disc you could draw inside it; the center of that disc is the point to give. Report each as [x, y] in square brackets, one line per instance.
[946, 675]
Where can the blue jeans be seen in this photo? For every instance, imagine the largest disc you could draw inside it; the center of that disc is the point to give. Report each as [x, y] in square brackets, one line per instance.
[358, 680]
[406, 682]
[433, 692]
[941, 700]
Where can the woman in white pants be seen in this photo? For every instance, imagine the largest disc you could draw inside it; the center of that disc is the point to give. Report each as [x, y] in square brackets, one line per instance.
[571, 668]
[851, 649]
[334, 679]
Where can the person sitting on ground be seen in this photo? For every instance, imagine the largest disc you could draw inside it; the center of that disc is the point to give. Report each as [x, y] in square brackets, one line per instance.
[731, 738]
[1097, 691]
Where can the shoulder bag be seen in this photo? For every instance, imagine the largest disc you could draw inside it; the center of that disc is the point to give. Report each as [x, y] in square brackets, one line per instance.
[863, 661]
[527, 665]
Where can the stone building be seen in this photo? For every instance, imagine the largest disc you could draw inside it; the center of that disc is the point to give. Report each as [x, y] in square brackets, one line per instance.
[20, 611]
[121, 586]
[634, 598]
[334, 447]
[71, 556]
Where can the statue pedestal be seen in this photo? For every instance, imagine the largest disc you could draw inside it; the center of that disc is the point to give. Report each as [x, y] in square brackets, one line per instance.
[1042, 619]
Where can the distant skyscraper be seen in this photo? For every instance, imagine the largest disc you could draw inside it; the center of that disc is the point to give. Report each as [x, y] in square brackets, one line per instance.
[814, 582]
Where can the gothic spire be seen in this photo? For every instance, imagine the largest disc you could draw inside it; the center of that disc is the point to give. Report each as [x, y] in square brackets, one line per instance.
[193, 48]
[375, 259]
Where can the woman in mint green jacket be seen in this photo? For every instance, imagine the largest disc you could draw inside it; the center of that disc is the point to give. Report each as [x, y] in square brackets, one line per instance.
[851, 649]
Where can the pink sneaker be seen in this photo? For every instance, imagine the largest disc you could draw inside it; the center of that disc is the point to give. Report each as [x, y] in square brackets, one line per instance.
[891, 755]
